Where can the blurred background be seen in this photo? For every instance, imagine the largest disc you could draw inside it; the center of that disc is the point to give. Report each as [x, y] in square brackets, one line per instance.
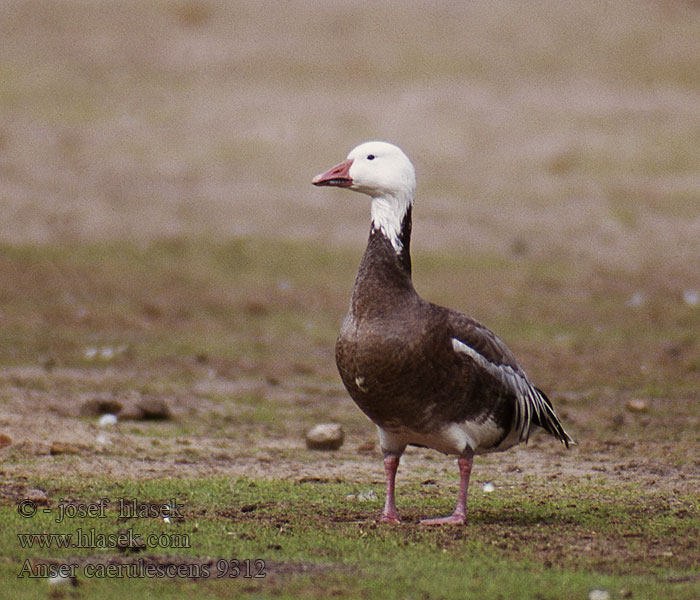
[163, 255]
[543, 127]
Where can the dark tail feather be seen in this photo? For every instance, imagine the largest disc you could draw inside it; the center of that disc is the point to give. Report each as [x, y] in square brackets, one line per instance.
[551, 423]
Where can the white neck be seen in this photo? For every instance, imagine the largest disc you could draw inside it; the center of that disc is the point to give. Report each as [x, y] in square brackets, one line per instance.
[387, 215]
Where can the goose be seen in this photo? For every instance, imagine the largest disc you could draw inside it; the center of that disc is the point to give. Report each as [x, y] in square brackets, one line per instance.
[425, 375]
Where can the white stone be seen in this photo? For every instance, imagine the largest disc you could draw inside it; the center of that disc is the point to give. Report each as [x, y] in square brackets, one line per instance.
[107, 420]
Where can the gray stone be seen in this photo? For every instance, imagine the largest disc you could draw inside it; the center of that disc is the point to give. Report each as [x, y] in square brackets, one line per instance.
[325, 436]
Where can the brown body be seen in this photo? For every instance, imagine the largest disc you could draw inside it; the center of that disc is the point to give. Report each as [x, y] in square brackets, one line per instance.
[424, 374]
[395, 355]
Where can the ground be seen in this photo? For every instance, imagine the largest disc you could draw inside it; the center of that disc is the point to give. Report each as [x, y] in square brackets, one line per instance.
[162, 246]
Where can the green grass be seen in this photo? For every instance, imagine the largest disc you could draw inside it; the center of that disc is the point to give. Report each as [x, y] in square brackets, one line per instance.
[546, 543]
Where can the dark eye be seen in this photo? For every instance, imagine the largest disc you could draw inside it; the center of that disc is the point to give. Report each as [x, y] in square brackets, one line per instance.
[371, 157]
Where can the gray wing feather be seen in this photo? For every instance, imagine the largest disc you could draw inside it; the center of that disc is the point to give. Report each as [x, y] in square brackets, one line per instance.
[492, 355]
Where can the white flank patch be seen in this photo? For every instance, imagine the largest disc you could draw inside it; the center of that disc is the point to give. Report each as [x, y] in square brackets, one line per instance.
[447, 441]
[387, 215]
[480, 437]
[455, 438]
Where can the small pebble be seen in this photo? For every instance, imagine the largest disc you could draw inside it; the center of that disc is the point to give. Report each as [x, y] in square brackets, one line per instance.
[489, 487]
[367, 495]
[154, 409]
[107, 420]
[637, 405]
[37, 496]
[62, 579]
[106, 353]
[326, 436]
[94, 407]
[599, 595]
[691, 297]
[131, 413]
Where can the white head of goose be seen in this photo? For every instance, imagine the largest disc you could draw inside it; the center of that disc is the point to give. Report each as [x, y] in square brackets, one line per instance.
[425, 375]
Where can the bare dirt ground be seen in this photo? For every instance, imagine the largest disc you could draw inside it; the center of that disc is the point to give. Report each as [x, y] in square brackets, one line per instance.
[43, 414]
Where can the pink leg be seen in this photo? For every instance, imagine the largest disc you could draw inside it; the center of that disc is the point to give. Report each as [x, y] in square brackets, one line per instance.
[459, 516]
[391, 464]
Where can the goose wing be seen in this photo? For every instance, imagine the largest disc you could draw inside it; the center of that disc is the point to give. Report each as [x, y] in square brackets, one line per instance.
[493, 358]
